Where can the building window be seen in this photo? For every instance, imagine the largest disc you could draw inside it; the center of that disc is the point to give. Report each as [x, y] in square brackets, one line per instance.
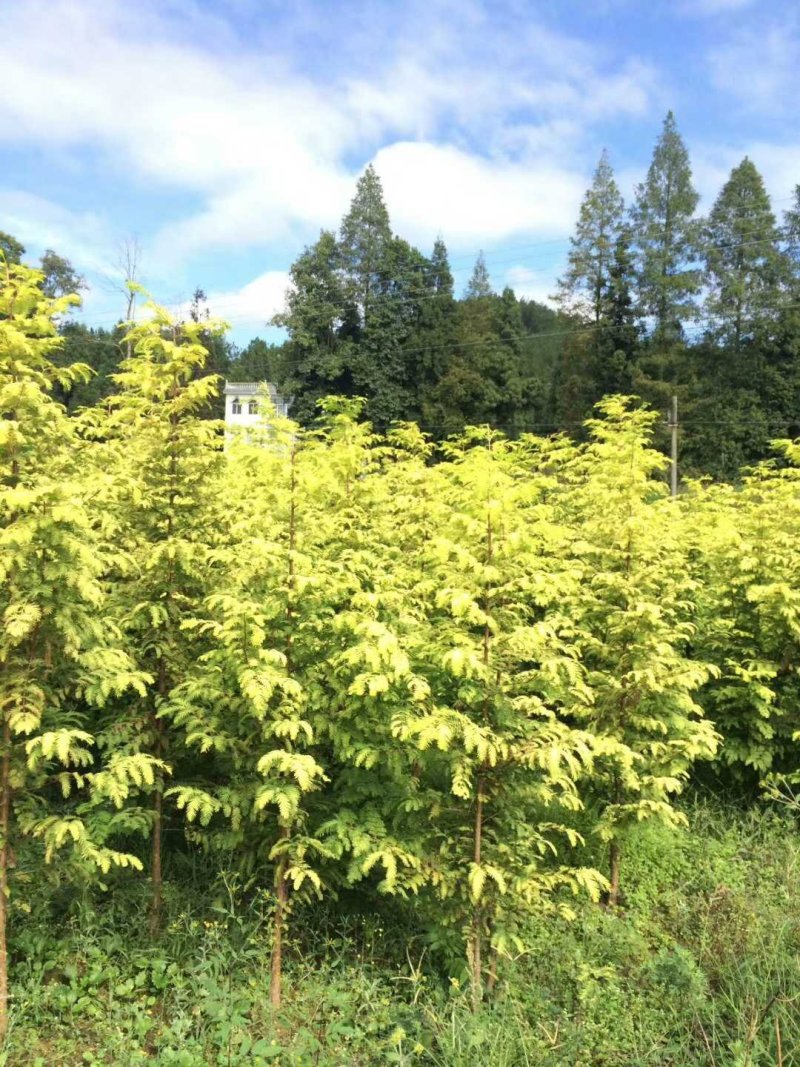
[252, 407]
[236, 407]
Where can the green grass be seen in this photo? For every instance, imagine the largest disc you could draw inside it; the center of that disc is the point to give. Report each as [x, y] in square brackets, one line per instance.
[700, 966]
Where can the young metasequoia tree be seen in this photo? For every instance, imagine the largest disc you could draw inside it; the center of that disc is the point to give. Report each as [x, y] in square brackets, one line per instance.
[372, 804]
[294, 690]
[246, 706]
[57, 653]
[495, 749]
[169, 511]
[742, 543]
[634, 615]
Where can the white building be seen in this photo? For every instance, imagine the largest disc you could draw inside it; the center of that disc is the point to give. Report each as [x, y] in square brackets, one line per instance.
[241, 402]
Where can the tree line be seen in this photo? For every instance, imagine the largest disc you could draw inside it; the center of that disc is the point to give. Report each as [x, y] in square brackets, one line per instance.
[342, 666]
[654, 300]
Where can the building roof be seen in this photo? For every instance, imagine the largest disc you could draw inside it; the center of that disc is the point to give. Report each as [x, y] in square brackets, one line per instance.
[246, 388]
[243, 389]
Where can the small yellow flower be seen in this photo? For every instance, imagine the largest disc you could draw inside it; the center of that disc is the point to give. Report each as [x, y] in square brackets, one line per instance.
[398, 1036]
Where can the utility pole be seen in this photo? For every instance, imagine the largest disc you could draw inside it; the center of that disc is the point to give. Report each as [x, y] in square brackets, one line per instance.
[673, 425]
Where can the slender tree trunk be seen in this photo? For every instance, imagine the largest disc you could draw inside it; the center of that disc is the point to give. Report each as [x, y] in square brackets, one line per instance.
[476, 965]
[477, 918]
[5, 827]
[491, 974]
[281, 903]
[156, 873]
[614, 853]
[156, 877]
[130, 264]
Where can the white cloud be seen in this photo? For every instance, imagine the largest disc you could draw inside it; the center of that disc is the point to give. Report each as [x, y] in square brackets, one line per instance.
[533, 284]
[268, 133]
[758, 66]
[255, 302]
[436, 189]
[703, 8]
[48, 225]
[778, 164]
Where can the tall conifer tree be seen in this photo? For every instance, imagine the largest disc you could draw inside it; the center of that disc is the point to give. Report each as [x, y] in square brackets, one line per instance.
[584, 293]
[364, 241]
[314, 317]
[666, 235]
[480, 284]
[745, 267]
[432, 342]
[583, 287]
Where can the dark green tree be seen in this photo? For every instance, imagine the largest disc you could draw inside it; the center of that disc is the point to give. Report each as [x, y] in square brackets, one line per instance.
[542, 343]
[364, 242]
[382, 357]
[10, 248]
[60, 277]
[260, 361]
[354, 314]
[619, 340]
[582, 290]
[96, 348]
[584, 295]
[431, 344]
[745, 388]
[314, 318]
[484, 379]
[746, 269]
[791, 228]
[480, 284]
[666, 236]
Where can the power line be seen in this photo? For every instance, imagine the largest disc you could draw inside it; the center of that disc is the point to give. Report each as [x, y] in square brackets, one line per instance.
[696, 327]
[469, 258]
[700, 247]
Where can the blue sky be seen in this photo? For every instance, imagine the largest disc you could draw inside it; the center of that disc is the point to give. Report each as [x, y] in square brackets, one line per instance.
[222, 136]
